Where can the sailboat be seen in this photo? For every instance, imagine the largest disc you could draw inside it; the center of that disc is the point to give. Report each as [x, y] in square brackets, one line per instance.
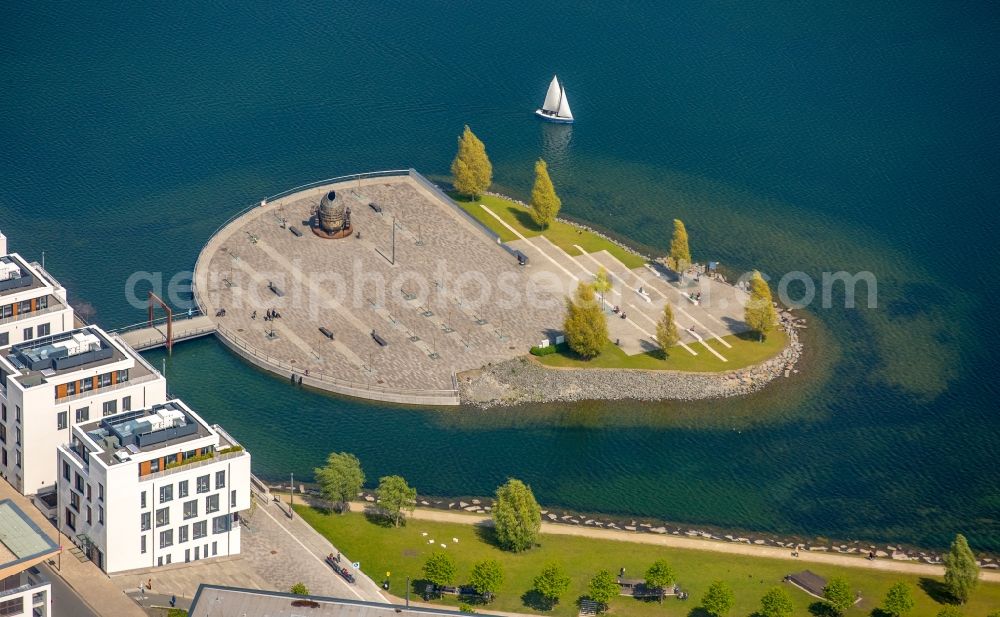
[556, 105]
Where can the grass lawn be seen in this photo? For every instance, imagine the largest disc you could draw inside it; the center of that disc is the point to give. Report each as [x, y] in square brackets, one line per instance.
[563, 235]
[402, 552]
[746, 350]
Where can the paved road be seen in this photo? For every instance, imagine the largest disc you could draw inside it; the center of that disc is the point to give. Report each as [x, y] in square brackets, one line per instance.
[65, 601]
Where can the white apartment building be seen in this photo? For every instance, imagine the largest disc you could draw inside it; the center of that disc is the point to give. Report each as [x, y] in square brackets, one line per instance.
[152, 487]
[49, 384]
[23, 545]
[32, 303]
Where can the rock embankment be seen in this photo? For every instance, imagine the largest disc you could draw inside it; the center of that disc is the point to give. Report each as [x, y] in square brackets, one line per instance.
[523, 380]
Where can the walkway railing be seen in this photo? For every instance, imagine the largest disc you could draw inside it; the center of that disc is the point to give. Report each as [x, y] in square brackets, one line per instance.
[195, 312]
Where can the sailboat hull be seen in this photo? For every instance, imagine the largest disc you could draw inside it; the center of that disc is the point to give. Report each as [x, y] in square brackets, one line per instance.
[550, 117]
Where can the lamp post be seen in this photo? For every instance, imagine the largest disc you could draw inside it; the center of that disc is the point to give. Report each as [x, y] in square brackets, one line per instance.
[291, 494]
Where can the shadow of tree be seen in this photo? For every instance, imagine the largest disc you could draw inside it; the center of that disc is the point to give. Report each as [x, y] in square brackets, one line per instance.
[937, 590]
[524, 218]
[822, 609]
[487, 534]
[376, 517]
[536, 601]
[879, 612]
[699, 611]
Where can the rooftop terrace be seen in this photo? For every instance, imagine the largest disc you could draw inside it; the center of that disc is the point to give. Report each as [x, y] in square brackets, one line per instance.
[16, 276]
[131, 433]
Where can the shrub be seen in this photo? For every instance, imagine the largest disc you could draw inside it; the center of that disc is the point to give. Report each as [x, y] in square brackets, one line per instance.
[543, 351]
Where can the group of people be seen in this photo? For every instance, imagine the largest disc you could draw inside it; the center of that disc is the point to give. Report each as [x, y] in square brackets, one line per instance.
[270, 315]
[696, 296]
[617, 311]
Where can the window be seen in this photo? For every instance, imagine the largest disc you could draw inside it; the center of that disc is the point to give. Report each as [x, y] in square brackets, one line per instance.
[200, 529]
[232, 498]
[166, 538]
[110, 408]
[220, 479]
[190, 509]
[78, 481]
[89, 493]
[144, 521]
[162, 517]
[142, 544]
[29, 333]
[83, 414]
[74, 500]
[70, 519]
[3, 433]
[17, 435]
[3, 411]
[142, 499]
[203, 484]
[17, 458]
[215, 547]
[71, 388]
[86, 385]
[12, 607]
[211, 504]
[4, 340]
[17, 413]
[100, 514]
[182, 534]
[123, 375]
[127, 403]
[220, 524]
[100, 492]
[25, 307]
[3, 451]
[103, 381]
[61, 420]
[42, 303]
[166, 493]
[44, 329]
[90, 520]
[182, 488]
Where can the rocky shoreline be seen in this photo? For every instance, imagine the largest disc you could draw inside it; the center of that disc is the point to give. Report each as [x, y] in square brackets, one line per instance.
[893, 551]
[524, 380]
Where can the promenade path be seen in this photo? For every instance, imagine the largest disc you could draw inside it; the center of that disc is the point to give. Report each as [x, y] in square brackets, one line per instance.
[698, 544]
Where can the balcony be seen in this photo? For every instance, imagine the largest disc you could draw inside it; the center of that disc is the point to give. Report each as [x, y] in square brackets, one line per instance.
[220, 455]
[112, 388]
[54, 307]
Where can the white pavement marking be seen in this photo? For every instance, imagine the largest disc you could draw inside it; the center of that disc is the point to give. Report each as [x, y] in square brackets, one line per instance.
[530, 243]
[313, 555]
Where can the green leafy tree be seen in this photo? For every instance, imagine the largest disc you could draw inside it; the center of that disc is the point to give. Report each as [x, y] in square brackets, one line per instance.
[680, 253]
[602, 282]
[440, 568]
[545, 203]
[776, 603]
[395, 496]
[759, 312]
[487, 577]
[341, 479]
[666, 329]
[602, 588]
[950, 611]
[961, 572]
[898, 600]
[300, 589]
[660, 575]
[516, 516]
[552, 583]
[837, 594]
[719, 599]
[586, 326]
[471, 168]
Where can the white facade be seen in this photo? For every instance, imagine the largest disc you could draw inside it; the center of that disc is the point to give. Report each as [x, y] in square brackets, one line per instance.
[152, 487]
[32, 303]
[22, 546]
[40, 405]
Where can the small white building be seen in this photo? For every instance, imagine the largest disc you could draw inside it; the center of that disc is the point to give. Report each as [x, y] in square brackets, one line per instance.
[152, 487]
[50, 384]
[32, 303]
[22, 547]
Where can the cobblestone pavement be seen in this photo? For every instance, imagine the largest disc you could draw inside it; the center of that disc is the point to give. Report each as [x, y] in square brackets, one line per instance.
[453, 300]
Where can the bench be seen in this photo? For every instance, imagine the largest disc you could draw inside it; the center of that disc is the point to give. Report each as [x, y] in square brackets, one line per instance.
[522, 259]
[295, 232]
[374, 206]
[378, 339]
[275, 289]
[326, 333]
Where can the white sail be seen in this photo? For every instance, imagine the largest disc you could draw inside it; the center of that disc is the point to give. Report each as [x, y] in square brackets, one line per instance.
[552, 96]
[564, 111]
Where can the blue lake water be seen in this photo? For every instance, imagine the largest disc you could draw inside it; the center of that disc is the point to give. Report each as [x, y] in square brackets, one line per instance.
[821, 137]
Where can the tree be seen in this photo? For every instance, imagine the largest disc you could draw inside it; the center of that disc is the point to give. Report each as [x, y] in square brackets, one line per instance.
[666, 329]
[603, 587]
[660, 575]
[440, 568]
[898, 600]
[394, 496]
[602, 282]
[552, 583]
[471, 168]
[341, 479]
[545, 203]
[961, 572]
[950, 611]
[775, 603]
[680, 253]
[719, 599]
[837, 594]
[759, 312]
[300, 589]
[586, 326]
[516, 516]
[487, 577]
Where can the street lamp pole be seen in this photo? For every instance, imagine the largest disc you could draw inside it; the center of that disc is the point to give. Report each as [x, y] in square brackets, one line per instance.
[291, 495]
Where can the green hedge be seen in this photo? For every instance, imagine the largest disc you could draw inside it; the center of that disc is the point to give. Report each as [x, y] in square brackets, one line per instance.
[543, 351]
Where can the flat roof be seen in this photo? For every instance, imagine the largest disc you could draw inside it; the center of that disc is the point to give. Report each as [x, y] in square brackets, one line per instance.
[147, 430]
[31, 359]
[219, 600]
[21, 540]
[34, 280]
